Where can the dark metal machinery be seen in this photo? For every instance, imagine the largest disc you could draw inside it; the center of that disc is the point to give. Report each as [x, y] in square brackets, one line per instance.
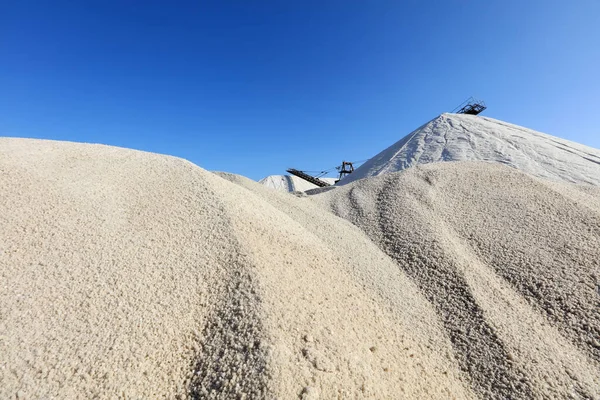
[470, 106]
[345, 169]
[308, 177]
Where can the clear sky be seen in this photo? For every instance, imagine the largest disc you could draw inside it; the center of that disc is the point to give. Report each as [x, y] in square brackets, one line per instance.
[255, 87]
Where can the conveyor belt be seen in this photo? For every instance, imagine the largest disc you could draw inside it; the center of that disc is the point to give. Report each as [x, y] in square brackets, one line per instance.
[309, 178]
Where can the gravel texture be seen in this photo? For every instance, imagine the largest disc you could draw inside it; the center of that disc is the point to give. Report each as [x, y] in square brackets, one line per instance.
[510, 262]
[126, 274]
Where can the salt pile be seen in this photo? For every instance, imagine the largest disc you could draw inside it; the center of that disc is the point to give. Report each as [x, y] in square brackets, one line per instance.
[510, 262]
[131, 274]
[460, 137]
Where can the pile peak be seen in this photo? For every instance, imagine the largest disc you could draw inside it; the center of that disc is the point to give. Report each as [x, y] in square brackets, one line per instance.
[460, 137]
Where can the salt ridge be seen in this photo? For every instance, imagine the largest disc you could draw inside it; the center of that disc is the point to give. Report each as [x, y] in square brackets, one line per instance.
[459, 137]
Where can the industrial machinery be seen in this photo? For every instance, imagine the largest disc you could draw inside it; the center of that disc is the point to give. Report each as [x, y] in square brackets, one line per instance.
[470, 106]
[307, 177]
[346, 168]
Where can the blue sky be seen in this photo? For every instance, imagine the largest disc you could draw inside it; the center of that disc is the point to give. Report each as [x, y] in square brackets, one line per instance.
[255, 87]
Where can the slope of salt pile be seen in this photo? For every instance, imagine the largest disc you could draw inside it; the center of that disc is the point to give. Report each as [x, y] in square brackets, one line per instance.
[291, 183]
[459, 137]
[510, 262]
[130, 274]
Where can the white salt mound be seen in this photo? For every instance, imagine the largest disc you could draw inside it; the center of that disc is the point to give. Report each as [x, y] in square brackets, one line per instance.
[131, 274]
[460, 137]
